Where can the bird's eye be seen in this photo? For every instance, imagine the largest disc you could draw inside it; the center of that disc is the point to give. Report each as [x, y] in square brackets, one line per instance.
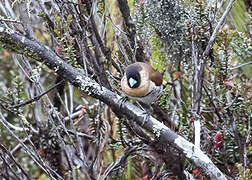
[132, 82]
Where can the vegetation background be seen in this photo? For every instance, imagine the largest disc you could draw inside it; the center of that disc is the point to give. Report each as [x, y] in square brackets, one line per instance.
[51, 130]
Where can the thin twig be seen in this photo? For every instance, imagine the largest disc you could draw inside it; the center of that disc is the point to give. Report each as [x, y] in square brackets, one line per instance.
[240, 65]
[212, 38]
[36, 158]
[135, 45]
[120, 162]
[212, 102]
[207, 51]
[10, 20]
[13, 159]
[36, 98]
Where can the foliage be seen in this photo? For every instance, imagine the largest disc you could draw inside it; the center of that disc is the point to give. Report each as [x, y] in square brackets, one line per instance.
[65, 134]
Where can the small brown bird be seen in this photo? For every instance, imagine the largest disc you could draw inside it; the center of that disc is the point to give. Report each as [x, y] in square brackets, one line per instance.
[142, 83]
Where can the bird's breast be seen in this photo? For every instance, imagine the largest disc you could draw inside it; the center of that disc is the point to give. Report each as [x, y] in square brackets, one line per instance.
[153, 94]
[145, 95]
[140, 91]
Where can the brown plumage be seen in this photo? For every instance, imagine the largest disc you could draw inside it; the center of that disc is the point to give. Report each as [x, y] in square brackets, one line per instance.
[142, 83]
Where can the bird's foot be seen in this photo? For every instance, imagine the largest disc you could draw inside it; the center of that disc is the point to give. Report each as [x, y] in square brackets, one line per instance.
[122, 100]
[146, 114]
[146, 119]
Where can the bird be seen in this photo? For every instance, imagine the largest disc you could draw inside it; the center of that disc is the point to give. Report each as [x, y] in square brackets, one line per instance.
[142, 83]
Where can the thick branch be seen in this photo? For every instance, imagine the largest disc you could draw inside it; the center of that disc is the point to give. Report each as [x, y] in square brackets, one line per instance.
[31, 48]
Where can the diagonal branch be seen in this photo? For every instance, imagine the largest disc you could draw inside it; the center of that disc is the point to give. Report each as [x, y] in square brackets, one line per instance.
[202, 70]
[216, 29]
[36, 98]
[13, 160]
[131, 30]
[166, 137]
[206, 53]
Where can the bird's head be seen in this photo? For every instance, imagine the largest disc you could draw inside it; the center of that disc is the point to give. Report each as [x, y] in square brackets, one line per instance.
[133, 76]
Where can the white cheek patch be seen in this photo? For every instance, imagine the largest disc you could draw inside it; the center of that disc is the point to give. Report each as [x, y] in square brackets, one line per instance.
[132, 82]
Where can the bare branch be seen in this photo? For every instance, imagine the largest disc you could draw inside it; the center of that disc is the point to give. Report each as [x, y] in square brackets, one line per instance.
[131, 28]
[120, 161]
[13, 159]
[206, 53]
[36, 98]
[216, 29]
